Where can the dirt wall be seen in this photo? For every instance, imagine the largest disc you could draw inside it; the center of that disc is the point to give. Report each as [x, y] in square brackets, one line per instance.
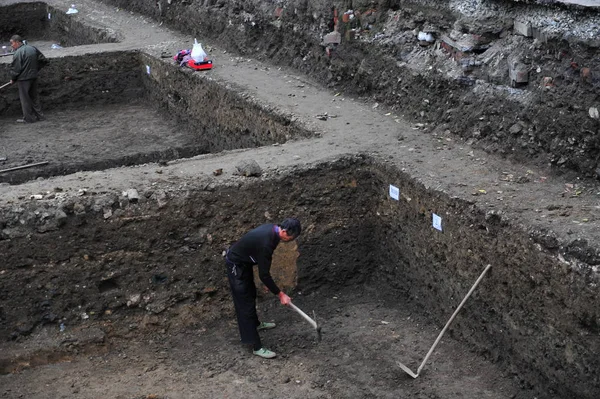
[81, 81]
[26, 19]
[546, 121]
[203, 114]
[222, 117]
[104, 256]
[68, 30]
[38, 21]
[536, 311]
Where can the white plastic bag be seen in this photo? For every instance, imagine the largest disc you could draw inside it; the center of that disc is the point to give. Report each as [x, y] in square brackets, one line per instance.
[426, 37]
[72, 10]
[198, 53]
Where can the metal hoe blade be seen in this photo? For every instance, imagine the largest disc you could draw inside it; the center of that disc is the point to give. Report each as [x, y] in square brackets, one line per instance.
[307, 318]
[407, 370]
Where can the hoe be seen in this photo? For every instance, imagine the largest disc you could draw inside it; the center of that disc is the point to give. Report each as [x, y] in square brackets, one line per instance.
[307, 318]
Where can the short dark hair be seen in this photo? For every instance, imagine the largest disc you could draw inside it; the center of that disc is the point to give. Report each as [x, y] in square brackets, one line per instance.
[16, 38]
[292, 226]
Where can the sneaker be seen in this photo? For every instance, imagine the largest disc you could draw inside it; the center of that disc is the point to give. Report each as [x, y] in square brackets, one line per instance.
[265, 326]
[265, 353]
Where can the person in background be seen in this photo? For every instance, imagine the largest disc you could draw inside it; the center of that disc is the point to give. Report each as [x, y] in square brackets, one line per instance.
[27, 61]
[256, 248]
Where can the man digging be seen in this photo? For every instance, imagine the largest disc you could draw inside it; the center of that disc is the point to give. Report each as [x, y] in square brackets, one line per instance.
[27, 61]
[256, 248]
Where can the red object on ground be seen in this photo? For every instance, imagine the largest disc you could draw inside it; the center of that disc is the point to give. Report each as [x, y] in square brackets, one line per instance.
[200, 65]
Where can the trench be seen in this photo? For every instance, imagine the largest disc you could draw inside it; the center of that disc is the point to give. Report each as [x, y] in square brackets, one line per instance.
[166, 251]
[119, 107]
[384, 65]
[84, 274]
[40, 22]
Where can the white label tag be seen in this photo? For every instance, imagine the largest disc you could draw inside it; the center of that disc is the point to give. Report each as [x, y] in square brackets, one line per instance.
[49, 16]
[437, 222]
[148, 69]
[395, 192]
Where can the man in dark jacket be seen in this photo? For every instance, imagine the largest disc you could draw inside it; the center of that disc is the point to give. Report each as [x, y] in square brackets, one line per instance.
[27, 61]
[256, 248]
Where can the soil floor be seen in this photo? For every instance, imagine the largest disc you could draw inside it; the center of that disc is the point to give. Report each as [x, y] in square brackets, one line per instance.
[364, 334]
[93, 138]
[363, 338]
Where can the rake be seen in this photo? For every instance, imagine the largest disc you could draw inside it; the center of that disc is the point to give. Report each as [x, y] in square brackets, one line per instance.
[415, 375]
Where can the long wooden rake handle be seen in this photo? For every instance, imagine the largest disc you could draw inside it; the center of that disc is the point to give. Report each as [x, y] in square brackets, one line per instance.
[452, 317]
[4, 85]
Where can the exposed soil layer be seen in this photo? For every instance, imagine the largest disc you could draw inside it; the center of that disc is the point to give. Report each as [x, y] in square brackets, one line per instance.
[109, 292]
[108, 111]
[36, 20]
[170, 257]
[77, 82]
[101, 252]
[547, 119]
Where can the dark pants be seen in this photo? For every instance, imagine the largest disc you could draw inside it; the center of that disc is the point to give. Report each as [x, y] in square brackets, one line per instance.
[30, 102]
[243, 290]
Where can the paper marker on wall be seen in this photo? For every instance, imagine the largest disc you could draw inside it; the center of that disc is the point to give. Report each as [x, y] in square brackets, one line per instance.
[395, 192]
[148, 69]
[437, 222]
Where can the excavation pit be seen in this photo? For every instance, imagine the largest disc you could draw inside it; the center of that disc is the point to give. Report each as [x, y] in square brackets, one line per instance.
[43, 25]
[112, 282]
[136, 291]
[127, 108]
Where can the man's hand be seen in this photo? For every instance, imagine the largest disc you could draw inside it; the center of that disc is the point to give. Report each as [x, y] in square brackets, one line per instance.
[12, 82]
[284, 299]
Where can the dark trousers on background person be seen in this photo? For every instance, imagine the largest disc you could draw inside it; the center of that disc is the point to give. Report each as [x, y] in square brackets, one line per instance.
[243, 290]
[30, 102]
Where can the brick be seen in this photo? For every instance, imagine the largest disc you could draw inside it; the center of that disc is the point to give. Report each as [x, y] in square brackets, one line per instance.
[523, 28]
[585, 75]
[332, 38]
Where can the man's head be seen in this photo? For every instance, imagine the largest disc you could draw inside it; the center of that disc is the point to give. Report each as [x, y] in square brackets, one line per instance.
[290, 229]
[16, 41]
